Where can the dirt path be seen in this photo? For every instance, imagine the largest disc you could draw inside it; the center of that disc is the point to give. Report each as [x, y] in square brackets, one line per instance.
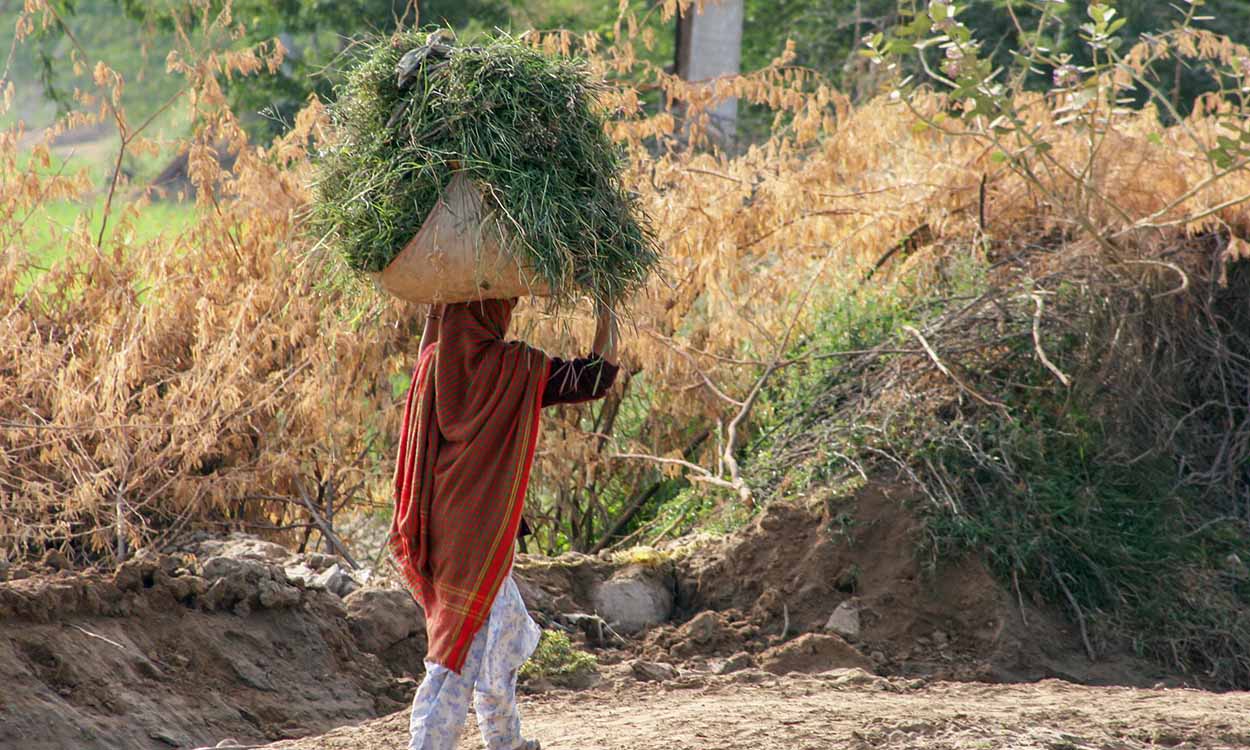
[859, 712]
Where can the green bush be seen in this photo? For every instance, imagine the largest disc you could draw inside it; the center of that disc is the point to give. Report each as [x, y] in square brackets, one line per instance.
[556, 660]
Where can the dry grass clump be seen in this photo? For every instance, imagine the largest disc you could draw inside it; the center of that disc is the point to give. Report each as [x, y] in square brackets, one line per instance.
[520, 123]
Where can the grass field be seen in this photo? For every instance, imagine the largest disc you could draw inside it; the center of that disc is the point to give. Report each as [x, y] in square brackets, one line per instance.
[52, 224]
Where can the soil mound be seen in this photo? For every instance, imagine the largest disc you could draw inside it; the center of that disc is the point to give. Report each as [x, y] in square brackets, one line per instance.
[847, 566]
[176, 651]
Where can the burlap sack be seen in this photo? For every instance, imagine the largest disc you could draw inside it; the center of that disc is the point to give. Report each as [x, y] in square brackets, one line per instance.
[458, 255]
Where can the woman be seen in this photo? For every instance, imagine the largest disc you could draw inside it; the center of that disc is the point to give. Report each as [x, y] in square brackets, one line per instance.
[465, 452]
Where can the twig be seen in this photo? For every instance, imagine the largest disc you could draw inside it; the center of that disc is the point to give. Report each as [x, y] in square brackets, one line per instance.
[109, 641]
[1165, 264]
[1037, 343]
[1015, 583]
[785, 621]
[326, 531]
[1080, 616]
[946, 371]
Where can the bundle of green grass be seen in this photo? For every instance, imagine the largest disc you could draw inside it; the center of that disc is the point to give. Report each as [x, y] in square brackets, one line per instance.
[522, 125]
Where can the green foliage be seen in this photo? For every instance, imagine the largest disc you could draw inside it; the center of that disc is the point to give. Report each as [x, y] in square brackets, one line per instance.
[315, 35]
[1100, 539]
[508, 117]
[799, 400]
[1062, 494]
[557, 660]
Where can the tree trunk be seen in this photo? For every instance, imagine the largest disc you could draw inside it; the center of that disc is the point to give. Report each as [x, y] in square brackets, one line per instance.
[709, 46]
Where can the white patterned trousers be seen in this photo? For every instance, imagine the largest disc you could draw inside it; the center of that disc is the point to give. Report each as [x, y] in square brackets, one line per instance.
[503, 644]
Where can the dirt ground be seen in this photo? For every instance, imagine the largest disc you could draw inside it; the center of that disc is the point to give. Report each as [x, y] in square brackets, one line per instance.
[227, 640]
[849, 709]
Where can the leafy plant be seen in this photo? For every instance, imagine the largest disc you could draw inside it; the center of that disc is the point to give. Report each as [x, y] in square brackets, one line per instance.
[556, 660]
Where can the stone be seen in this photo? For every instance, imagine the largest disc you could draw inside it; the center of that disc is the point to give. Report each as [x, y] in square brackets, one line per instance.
[736, 663]
[274, 595]
[536, 600]
[812, 653]
[845, 619]
[169, 737]
[300, 573]
[234, 568]
[335, 580]
[252, 675]
[242, 547]
[186, 587]
[854, 677]
[705, 626]
[380, 618]
[633, 600]
[56, 560]
[650, 671]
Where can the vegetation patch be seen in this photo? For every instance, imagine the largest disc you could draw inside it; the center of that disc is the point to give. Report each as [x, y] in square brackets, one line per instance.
[1108, 479]
[557, 661]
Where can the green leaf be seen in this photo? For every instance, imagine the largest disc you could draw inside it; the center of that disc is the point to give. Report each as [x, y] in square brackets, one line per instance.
[998, 157]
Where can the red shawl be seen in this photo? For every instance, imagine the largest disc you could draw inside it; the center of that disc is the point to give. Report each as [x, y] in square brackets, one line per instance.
[465, 452]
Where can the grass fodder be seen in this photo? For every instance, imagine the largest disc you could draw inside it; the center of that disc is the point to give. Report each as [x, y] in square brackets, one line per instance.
[1084, 428]
[521, 124]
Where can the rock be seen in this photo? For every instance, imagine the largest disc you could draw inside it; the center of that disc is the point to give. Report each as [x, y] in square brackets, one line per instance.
[940, 639]
[252, 675]
[845, 619]
[536, 600]
[335, 580]
[380, 618]
[271, 594]
[56, 560]
[242, 547]
[187, 587]
[854, 677]
[812, 653]
[251, 571]
[705, 627]
[650, 671]
[171, 738]
[736, 663]
[633, 599]
[300, 573]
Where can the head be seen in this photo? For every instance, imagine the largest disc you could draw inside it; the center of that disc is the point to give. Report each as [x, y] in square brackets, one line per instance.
[493, 315]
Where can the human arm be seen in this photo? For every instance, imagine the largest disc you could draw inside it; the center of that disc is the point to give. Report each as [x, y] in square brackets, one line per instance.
[429, 334]
[586, 378]
[607, 333]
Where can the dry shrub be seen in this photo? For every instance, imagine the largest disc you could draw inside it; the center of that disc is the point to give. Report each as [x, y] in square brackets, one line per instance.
[207, 380]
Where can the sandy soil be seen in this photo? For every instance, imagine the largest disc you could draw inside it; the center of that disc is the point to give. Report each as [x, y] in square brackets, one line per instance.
[853, 710]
